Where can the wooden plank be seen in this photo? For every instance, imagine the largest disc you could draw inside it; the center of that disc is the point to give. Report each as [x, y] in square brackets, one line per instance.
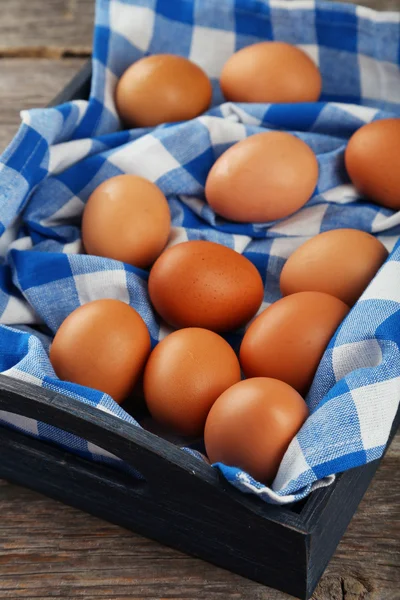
[48, 550]
[60, 26]
[30, 83]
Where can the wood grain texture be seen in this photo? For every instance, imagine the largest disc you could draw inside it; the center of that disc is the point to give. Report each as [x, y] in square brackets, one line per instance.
[51, 27]
[48, 550]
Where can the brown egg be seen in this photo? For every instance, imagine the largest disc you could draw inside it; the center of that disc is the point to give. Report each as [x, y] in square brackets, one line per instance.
[264, 177]
[203, 284]
[372, 162]
[341, 262]
[185, 374]
[271, 72]
[160, 89]
[126, 218]
[251, 425]
[104, 345]
[288, 339]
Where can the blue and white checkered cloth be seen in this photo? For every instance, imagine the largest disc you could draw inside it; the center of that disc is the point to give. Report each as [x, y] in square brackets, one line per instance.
[61, 154]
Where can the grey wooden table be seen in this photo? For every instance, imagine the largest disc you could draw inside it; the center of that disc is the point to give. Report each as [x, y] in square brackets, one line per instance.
[48, 550]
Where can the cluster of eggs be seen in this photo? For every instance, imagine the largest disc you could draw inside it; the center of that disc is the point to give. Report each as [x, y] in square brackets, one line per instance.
[192, 379]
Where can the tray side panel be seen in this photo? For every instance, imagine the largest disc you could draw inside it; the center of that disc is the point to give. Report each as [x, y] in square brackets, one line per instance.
[78, 88]
[205, 525]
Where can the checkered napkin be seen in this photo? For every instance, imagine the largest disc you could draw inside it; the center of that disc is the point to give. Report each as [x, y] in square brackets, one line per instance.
[61, 154]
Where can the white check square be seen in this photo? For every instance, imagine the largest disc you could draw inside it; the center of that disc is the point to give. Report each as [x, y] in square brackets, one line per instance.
[379, 80]
[211, 48]
[135, 23]
[103, 284]
[308, 220]
[357, 355]
[146, 157]
[376, 407]
[385, 286]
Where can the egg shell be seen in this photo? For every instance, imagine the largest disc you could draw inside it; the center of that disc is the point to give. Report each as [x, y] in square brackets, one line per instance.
[126, 218]
[251, 425]
[264, 177]
[202, 284]
[372, 162]
[103, 345]
[270, 72]
[162, 88]
[340, 262]
[185, 374]
[287, 340]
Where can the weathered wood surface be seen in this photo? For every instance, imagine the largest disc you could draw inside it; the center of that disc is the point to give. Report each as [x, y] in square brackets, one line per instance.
[48, 550]
[49, 28]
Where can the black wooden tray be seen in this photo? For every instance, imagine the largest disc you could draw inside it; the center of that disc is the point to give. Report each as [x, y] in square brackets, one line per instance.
[182, 502]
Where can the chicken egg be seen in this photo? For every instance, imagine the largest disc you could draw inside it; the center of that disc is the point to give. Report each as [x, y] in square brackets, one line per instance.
[126, 218]
[204, 284]
[103, 345]
[372, 162]
[270, 72]
[185, 374]
[251, 425]
[340, 262]
[162, 88]
[287, 340]
[264, 177]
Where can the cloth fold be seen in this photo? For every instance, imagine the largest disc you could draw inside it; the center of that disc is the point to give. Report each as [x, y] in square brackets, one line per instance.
[60, 155]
